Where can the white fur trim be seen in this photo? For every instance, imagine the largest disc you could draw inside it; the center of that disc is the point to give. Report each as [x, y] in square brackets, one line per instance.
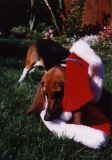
[25, 71]
[66, 116]
[88, 136]
[83, 50]
[95, 69]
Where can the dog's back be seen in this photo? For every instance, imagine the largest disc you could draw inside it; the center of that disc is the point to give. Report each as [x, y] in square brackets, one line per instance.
[52, 52]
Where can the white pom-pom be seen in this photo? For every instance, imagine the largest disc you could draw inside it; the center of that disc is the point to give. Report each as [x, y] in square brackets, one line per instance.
[66, 116]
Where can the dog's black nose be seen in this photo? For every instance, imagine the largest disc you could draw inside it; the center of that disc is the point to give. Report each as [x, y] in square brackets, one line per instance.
[47, 117]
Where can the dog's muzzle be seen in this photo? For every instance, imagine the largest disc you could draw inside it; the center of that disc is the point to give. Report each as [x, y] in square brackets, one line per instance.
[48, 116]
[53, 113]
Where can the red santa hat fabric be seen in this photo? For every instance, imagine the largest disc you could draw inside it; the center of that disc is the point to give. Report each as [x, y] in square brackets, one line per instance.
[78, 92]
[95, 66]
[94, 118]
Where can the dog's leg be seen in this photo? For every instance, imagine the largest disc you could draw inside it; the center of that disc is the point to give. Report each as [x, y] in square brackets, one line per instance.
[25, 71]
[31, 59]
[77, 117]
[38, 63]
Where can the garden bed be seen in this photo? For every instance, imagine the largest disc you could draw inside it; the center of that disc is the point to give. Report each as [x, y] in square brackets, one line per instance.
[25, 137]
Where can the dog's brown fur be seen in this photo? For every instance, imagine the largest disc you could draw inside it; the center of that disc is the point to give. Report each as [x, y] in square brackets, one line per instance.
[38, 102]
[51, 82]
[32, 56]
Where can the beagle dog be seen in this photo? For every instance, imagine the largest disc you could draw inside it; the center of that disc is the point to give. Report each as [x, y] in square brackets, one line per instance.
[52, 86]
[46, 53]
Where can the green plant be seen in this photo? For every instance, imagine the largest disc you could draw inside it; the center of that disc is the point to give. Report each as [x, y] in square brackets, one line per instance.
[63, 40]
[74, 19]
[31, 23]
[33, 34]
[103, 47]
[18, 30]
[106, 34]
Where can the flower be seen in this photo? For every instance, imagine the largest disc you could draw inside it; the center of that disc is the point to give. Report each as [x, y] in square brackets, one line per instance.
[106, 34]
[50, 31]
[46, 34]
[49, 34]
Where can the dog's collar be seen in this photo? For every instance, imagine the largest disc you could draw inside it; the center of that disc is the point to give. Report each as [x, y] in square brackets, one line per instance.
[63, 65]
[63, 62]
[71, 59]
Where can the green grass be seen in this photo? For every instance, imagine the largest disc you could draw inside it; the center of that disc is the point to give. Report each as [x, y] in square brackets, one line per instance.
[24, 137]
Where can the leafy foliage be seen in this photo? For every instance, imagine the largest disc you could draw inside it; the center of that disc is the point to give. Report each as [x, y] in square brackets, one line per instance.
[103, 47]
[74, 19]
[106, 34]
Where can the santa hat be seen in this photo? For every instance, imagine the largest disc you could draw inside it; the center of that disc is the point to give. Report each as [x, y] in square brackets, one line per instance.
[95, 66]
[84, 83]
[88, 74]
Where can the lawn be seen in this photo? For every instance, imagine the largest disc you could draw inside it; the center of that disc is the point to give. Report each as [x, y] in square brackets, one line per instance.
[24, 137]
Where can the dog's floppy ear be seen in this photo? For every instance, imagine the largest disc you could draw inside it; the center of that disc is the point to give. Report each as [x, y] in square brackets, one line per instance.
[38, 101]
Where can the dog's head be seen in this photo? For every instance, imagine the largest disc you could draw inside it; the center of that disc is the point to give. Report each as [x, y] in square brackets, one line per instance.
[53, 87]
